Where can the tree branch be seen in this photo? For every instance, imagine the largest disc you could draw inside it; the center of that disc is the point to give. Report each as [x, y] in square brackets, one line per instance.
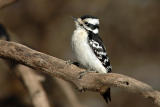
[69, 92]
[59, 68]
[34, 86]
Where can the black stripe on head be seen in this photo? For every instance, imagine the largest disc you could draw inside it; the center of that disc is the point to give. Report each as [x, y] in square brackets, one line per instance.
[92, 26]
[88, 16]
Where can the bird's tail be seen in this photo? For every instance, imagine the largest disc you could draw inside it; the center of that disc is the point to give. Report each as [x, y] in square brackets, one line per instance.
[107, 95]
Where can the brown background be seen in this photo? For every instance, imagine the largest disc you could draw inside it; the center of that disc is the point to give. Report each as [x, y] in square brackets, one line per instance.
[130, 30]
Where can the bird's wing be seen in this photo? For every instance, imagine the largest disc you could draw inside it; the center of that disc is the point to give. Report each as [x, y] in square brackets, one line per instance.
[99, 50]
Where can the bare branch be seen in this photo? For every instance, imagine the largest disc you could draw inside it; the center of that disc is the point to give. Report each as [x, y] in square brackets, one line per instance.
[58, 68]
[68, 91]
[4, 3]
[34, 86]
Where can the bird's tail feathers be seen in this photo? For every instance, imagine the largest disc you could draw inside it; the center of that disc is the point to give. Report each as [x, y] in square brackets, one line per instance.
[107, 95]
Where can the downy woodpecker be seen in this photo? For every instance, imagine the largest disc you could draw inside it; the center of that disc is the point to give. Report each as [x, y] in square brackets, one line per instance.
[88, 48]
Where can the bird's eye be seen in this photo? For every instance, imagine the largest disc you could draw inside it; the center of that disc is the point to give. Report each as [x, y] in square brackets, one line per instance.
[86, 23]
[81, 25]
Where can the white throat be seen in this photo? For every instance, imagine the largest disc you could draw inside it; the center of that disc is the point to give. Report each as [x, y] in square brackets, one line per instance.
[92, 21]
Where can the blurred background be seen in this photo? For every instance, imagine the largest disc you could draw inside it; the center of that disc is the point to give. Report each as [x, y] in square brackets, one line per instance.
[130, 30]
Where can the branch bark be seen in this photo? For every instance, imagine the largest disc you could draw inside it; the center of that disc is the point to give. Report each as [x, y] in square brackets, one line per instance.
[59, 68]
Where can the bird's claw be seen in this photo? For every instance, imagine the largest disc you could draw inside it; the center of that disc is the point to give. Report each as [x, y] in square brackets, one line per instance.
[81, 74]
[69, 62]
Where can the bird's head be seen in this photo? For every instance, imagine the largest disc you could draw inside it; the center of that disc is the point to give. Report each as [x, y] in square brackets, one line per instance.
[87, 22]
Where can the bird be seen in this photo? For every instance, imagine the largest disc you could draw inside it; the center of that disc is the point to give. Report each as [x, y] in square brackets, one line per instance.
[88, 48]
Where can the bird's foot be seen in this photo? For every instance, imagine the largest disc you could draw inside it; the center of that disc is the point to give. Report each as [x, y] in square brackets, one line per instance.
[81, 74]
[71, 62]
[76, 63]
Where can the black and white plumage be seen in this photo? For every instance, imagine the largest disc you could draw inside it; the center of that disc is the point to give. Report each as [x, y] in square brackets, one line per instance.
[88, 47]
[98, 48]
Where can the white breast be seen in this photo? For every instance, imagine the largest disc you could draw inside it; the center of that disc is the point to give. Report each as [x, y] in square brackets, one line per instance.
[83, 52]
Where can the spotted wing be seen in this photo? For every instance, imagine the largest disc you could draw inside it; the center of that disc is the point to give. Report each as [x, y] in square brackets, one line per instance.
[98, 48]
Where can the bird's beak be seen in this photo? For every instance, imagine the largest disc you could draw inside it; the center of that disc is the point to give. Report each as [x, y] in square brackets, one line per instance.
[75, 19]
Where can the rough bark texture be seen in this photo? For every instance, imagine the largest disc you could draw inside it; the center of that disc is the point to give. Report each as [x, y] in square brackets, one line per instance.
[59, 68]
